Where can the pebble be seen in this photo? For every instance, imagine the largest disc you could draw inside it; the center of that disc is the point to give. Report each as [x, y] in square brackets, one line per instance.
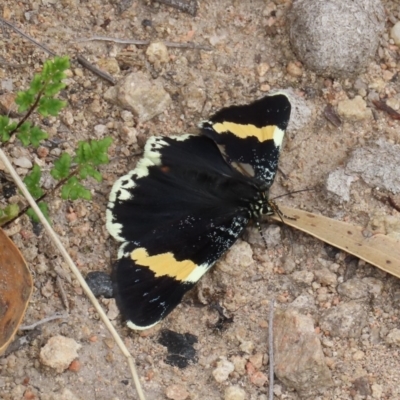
[194, 94]
[239, 364]
[224, 368]
[234, 393]
[237, 258]
[393, 337]
[109, 65]
[100, 130]
[303, 277]
[354, 109]
[353, 289]
[395, 33]
[176, 392]
[299, 359]
[345, 320]
[59, 352]
[100, 283]
[305, 304]
[256, 360]
[137, 93]
[128, 135]
[23, 162]
[157, 53]
[7, 103]
[377, 391]
[325, 277]
[262, 68]
[294, 70]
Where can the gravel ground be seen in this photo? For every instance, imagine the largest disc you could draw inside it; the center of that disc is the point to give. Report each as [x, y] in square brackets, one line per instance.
[250, 54]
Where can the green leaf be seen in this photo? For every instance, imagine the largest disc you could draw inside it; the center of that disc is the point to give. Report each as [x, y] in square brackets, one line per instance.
[87, 170]
[83, 153]
[32, 181]
[24, 100]
[48, 106]
[61, 167]
[4, 128]
[36, 85]
[24, 133]
[44, 208]
[8, 213]
[61, 63]
[74, 190]
[54, 88]
[37, 135]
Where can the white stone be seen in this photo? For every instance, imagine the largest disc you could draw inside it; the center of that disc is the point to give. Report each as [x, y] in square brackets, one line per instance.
[395, 33]
[224, 368]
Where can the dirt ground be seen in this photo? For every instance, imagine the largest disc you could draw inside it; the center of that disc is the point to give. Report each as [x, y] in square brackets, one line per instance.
[250, 54]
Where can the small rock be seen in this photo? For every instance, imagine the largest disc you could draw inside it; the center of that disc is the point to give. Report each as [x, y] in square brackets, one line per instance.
[144, 97]
[194, 94]
[234, 393]
[157, 53]
[346, 320]
[224, 368]
[375, 286]
[395, 33]
[7, 84]
[176, 392]
[393, 337]
[100, 284]
[64, 394]
[109, 65]
[128, 135]
[126, 115]
[262, 69]
[113, 310]
[299, 359]
[259, 378]
[75, 366]
[100, 130]
[7, 103]
[377, 391]
[303, 277]
[353, 289]
[247, 346]
[256, 360]
[59, 352]
[377, 164]
[23, 162]
[239, 364]
[294, 70]
[361, 385]
[354, 109]
[325, 277]
[305, 304]
[358, 355]
[338, 184]
[237, 258]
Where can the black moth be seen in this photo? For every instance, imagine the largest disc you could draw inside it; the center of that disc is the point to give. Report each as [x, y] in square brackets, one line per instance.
[187, 201]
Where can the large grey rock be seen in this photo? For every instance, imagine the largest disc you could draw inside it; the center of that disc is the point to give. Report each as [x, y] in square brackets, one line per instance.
[336, 37]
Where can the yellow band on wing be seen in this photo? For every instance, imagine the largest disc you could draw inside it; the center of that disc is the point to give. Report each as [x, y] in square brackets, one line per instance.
[243, 131]
[163, 264]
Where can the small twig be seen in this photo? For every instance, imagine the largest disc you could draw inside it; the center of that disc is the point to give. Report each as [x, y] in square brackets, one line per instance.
[63, 295]
[39, 199]
[82, 60]
[139, 42]
[57, 242]
[43, 321]
[271, 349]
[22, 341]
[28, 114]
[15, 29]
[187, 6]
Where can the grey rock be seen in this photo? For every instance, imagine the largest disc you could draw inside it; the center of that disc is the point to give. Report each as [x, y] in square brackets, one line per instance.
[377, 165]
[299, 359]
[305, 304]
[353, 289]
[325, 277]
[137, 93]
[346, 320]
[338, 185]
[336, 37]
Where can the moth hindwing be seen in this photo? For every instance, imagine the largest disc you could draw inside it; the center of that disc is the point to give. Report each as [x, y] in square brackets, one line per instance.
[187, 201]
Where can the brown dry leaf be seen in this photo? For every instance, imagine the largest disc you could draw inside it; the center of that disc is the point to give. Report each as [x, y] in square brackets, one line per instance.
[15, 289]
[374, 248]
